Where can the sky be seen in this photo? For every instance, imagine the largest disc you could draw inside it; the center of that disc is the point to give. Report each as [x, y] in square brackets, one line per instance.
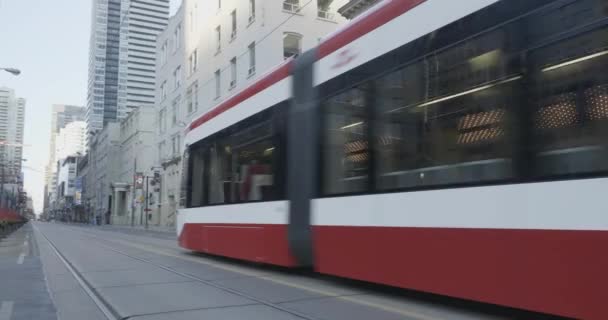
[49, 42]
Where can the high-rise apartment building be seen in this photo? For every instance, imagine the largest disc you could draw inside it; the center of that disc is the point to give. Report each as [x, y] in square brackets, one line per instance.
[122, 57]
[12, 118]
[70, 140]
[61, 116]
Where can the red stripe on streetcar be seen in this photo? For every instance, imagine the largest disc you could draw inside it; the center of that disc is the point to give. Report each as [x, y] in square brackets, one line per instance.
[361, 27]
[350, 33]
[263, 243]
[279, 74]
[560, 272]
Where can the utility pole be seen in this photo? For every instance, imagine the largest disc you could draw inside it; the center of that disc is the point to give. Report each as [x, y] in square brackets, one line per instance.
[2, 186]
[146, 198]
[133, 193]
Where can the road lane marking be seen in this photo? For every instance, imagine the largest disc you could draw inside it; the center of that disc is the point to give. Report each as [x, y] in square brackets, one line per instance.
[327, 293]
[6, 310]
[20, 259]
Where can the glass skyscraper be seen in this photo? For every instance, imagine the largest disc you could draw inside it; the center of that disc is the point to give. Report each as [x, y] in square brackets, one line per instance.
[122, 57]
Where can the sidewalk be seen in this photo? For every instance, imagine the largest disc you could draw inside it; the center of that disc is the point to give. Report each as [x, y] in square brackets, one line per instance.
[23, 288]
[166, 231]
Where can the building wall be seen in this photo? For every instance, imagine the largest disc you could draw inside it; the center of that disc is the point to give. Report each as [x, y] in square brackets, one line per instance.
[137, 154]
[196, 22]
[105, 147]
[12, 121]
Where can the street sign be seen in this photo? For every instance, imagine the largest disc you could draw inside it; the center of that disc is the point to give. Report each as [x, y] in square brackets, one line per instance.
[139, 180]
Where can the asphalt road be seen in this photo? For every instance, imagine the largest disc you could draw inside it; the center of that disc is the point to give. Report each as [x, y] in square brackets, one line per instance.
[84, 272]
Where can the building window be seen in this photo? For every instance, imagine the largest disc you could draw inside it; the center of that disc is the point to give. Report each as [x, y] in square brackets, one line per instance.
[192, 98]
[251, 59]
[195, 96]
[193, 19]
[161, 151]
[177, 77]
[251, 11]
[323, 11]
[219, 4]
[291, 5]
[175, 111]
[189, 106]
[176, 145]
[218, 38]
[233, 18]
[163, 53]
[162, 120]
[163, 90]
[218, 84]
[193, 62]
[177, 37]
[232, 73]
[292, 44]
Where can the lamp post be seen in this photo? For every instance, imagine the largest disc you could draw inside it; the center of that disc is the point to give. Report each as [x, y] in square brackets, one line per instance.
[13, 71]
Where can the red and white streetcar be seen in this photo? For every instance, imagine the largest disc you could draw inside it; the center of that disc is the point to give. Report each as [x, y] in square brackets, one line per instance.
[452, 147]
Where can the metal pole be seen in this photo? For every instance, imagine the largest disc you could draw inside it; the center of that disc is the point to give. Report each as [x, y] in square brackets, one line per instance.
[146, 198]
[2, 186]
[133, 193]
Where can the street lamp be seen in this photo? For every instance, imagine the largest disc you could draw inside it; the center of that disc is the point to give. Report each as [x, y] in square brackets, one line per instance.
[13, 71]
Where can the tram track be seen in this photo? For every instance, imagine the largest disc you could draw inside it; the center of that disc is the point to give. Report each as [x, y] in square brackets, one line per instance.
[112, 314]
[163, 251]
[102, 304]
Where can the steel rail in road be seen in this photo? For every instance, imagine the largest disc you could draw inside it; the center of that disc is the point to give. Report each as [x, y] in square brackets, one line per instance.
[161, 251]
[104, 306]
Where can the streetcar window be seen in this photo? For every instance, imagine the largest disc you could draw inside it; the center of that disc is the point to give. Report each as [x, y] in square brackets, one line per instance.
[220, 171]
[197, 163]
[253, 159]
[570, 94]
[242, 164]
[443, 120]
[346, 151]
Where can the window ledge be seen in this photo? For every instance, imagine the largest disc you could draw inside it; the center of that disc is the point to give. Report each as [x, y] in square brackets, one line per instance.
[217, 52]
[232, 87]
[327, 20]
[295, 13]
[251, 21]
[232, 39]
[251, 75]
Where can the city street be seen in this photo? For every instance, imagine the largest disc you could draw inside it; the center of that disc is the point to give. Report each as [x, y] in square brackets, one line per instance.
[109, 273]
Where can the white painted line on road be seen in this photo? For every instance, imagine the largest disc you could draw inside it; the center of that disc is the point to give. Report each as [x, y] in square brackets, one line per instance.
[20, 259]
[6, 310]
